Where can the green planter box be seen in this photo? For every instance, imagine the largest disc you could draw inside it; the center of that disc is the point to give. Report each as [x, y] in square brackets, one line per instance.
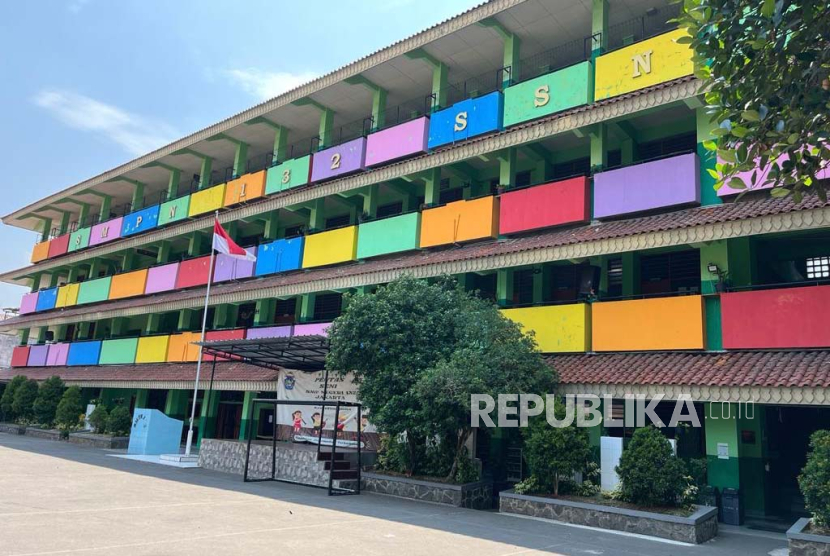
[118, 352]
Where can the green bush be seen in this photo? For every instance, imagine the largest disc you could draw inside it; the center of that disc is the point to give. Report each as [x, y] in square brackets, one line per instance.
[98, 418]
[24, 401]
[8, 398]
[814, 480]
[650, 474]
[70, 409]
[119, 421]
[48, 397]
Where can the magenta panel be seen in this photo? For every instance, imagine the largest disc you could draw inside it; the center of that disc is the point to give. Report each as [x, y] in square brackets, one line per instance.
[314, 329]
[29, 303]
[37, 356]
[231, 268]
[162, 278]
[397, 142]
[269, 332]
[57, 355]
[338, 161]
[105, 231]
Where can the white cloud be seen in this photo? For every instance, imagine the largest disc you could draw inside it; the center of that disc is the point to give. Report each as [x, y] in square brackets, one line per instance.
[135, 134]
[76, 6]
[265, 85]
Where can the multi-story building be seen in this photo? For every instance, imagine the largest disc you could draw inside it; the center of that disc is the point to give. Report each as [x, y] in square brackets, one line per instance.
[547, 153]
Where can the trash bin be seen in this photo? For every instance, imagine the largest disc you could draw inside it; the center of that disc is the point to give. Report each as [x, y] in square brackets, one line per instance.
[708, 496]
[731, 506]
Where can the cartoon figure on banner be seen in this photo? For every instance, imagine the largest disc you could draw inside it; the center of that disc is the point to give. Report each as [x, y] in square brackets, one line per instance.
[298, 421]
[341, 421]
[317, 422]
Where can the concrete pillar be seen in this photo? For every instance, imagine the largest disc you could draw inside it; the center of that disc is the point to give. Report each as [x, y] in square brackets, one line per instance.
[504, 287]
[207, 420]
[185, 320]
[508, 167]
[708, 159]
[47, 229]
[599, 26]
[307, 307]
[317, 218]
[240, 159]
[247, 405]
[272, 225]
[152, 324]
[163, 254]
[264, 311]
[205, 172]
[370, 201]
[432, 190]
[104, 215]
[64, 225]
[23, 333]
[137, 200]
[141, 397]
[326, 127]
[176, 404]
[173, 183]
[194, 246]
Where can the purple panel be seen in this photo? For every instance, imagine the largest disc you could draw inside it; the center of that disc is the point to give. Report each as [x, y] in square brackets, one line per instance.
[759, 178]
[317, 328]
[57, 355]
[28, 303]
[161, 278]
[397, 142]
[37, 356]
[269, 332]
[231, 268]
[651, 185]
[105, 231]
[340, 160]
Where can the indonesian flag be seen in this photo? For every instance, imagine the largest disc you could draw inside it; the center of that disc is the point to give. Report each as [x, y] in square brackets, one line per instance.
[223, 243]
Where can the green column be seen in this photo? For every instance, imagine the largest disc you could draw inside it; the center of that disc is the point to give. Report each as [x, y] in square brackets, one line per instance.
[41, 334]
[64, 225]
[246, 410]
[541, 283]
[54, 278]
[272, 224]
[264, 311]
[511, 49]
[185, 320]
[378, 99]
[163, 254]
[432, 189]
[152, 324]
[326, 127]
[106, 201]
[440, 71]
[307, 307]
[630, 274]
[599, 26]
[194, 246]
[137, 200]
[119, 325]
[47, 228]
[83, 215]
[599, 147]
[370, 201]
[73, 275]
[128, 261]
[280, 143]
[240, 159]
[504, 287]
[205, 171]
[207, 420]
[176, 404]
[507, 167]
[141, 396]
[173, 183]
[23, 333]
[317, 218]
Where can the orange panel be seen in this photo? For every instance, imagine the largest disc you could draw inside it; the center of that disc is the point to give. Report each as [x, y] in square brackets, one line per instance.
[460, 221]
[181, 348]
[245, 188]
[128, 284]
[648, 324]
[40, 252]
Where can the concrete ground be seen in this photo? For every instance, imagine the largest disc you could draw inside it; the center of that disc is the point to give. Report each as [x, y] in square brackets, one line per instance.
[58, 498]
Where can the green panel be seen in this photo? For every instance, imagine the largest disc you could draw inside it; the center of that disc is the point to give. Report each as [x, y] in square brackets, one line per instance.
[79, 239]
[714, 336]
[721, 425]
[708, 195]
[548, 94]
[118, 352]
[174, 210]
[291, 173]
[389, 235]
[94, 290]
[723, 473]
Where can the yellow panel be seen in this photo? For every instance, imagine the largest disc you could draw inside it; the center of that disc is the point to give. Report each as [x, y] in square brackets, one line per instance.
[334, 246]
[558, 328]
[643, 64]
[152, 349]
[181, 347]
[68, 295]
[207, 200]
[245, 188]
[128, 284]
[648, 324]
[460, 221]
[40, 251]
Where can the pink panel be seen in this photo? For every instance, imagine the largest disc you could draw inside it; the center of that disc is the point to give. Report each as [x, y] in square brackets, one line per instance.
[397, 142]
[37, 356]
[105, 231]
[231, 268]
[759, 178]
[314, 329]
[57, 355]
[28, 303]
[162, 278]
[268, 332]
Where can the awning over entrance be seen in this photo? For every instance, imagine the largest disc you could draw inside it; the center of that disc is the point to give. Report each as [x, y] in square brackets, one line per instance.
[301, 353]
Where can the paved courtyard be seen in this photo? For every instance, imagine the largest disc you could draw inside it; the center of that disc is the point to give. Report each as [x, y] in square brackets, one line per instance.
[56, 498]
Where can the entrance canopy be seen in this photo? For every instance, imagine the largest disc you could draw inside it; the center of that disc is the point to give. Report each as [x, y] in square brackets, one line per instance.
[301, 353]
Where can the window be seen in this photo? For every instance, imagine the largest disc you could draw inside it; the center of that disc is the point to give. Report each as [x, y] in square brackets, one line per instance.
[484, 284]
[523, 178]
[245, 317]
[615, 277]
[564, 283]
[450, 195]
[818, 268]
[523, 286]
[286, 311]
[390, 209]
[294, 231]
[578, 167]
[337, 221]
[675, 144]
[614, 159]
[677, 272]
[327, 306]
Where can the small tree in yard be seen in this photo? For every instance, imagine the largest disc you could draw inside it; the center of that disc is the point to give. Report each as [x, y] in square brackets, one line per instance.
[69, 409]
[48, 397]
[98, 418]
[119, 421]
[24, 400]
[8, 398]
[650, 474]
[815, 478]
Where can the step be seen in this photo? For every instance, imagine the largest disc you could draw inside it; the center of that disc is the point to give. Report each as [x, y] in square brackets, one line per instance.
[326, 456]
[345, 474]
[338, 465]
[179, 458]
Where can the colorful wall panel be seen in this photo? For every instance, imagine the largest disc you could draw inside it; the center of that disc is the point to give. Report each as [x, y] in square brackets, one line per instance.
[20, 356]
[331, 247]
[84, 353]
[128, 284]
[94, 291]
[465, 119]
[28, 304]
[348, 158]
[269, 332]
[549, 94]
[207, 200]
[245, 188]
[68, 295]
[662, 323]
[118, 352]
[193, 272]
[79, 239]
[642, 64]
[651, 185]
[174, 210]
[57, 354]
[543, 206]
[216, 335]
[37, 356]
[288, 174]
[557, 328]
[281, 255]
[181, 349]
[389, 235]
[760, 176]
[47, 299]
[105, 231]
[396, 142]
[231, 268]
[161, 278]
[152, 349]
[40, 252]
[460, 221]
[311, 329]
[140, 221]
[59, 246]
[764, 318]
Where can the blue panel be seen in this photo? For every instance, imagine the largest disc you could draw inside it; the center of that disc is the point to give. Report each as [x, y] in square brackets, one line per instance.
[483, 115]
[84, 353]
[46, 299]
[279, 256]
[140, 221]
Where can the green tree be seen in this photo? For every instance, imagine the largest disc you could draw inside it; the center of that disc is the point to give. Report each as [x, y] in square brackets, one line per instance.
[98, 418]
[766, 71]
[119, 421]
[814, 480]
[8, 397]
[70, 409]
[24, 400]
[650, 474]
[48, 397]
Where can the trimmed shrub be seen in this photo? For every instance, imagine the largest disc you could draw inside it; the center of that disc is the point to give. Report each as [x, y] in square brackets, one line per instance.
[70, 409]
[98, 418]
[119, 421]
[814, 480]
[650, 474]
[24, 401]
[8, 397]
[48, 397]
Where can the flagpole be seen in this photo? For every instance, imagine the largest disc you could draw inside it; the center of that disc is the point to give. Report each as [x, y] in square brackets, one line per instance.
[201, 341]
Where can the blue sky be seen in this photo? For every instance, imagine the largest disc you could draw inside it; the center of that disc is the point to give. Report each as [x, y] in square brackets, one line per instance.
[90, 84]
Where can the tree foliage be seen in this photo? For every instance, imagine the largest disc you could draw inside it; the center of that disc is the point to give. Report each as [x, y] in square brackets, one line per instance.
[98, 418]
[766, 69]
[48, 397]
[119, 421]
[24, 401]
[70, 409]
[8, 398]
[814, 480]
[650, 474]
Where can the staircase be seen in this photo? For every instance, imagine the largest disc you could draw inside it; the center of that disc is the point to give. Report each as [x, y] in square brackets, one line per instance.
[343, 469]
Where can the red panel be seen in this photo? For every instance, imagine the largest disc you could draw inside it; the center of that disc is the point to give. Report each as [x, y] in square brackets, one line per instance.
[20, 356]
[236, 334]
[193, 272]
[780, 318]
[542, 206]
[58, 246]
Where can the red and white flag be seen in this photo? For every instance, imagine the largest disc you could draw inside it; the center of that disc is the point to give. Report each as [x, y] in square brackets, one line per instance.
[223, 243]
